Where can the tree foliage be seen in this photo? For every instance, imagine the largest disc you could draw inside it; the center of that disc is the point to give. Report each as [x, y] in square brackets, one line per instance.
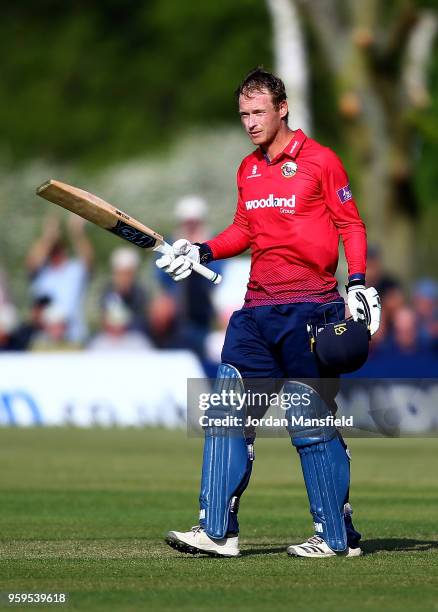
[98, 81]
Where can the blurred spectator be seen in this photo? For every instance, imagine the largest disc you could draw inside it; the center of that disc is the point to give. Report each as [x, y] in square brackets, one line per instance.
[379, 338]
[228, 297]
[190, 213]
[124, 287]
[400, 355]
[8, 325]
[391, 294]
[377, 276]
[60, 277]
[182, 314]
[53, 334]
[27, 331]
[162, 319]
[405, 331]
[393, 299]
[425, 302]
[117, 334]
[404, 337]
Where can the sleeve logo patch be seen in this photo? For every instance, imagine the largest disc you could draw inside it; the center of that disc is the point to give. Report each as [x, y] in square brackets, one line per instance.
[344, 194]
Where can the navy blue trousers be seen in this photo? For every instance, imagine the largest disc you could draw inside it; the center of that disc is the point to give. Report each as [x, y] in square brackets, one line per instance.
[273, 342]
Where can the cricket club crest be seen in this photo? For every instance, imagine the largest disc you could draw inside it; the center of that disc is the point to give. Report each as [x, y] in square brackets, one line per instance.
[289, 169]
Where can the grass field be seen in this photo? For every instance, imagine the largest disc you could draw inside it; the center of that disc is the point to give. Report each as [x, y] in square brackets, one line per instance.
[85, 512]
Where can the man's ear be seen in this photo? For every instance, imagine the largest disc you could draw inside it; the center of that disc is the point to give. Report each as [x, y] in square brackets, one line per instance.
[283, 108]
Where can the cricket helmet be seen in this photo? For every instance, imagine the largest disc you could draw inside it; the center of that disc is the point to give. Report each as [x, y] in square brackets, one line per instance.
[341, 347]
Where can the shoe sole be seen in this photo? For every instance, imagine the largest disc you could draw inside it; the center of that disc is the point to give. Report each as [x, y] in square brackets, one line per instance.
[322, 556]
[183, 547]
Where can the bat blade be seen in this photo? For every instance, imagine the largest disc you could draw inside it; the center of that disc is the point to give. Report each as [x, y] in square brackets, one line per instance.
[101, 213]
[98, 211]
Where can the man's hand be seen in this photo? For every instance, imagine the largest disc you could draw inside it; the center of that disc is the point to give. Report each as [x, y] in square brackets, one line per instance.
[178, 264]
[364, 305]
[52, 229]
[75, 225]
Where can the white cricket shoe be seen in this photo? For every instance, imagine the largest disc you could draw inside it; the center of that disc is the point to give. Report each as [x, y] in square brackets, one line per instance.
[197, 541]
[316, 547]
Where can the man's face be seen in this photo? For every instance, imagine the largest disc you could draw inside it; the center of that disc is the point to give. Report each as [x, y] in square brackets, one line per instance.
[123, 279]
[260, 118]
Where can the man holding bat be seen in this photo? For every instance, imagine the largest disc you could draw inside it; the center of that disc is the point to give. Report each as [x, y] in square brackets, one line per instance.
[294, 202]
[105, 215]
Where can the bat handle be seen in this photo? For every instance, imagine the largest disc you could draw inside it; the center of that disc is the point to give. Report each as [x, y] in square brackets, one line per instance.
[210, 275]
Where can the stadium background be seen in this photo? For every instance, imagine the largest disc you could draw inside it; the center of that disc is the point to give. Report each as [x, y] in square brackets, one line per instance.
[133, 101]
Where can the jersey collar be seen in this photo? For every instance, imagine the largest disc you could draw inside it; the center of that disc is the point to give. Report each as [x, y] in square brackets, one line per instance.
[291, 149]
[294, 146]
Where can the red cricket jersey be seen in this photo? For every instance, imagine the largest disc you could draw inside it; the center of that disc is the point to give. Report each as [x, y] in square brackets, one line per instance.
[290, 213]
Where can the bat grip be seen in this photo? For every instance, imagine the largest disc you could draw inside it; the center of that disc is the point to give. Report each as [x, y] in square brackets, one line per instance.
[210, 275]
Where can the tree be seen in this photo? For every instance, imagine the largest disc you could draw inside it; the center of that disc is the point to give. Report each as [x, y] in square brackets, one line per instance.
[378, 55]
[290, 57]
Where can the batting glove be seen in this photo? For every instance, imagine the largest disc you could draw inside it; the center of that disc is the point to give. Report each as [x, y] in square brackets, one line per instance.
[178, 264]
[364, 305]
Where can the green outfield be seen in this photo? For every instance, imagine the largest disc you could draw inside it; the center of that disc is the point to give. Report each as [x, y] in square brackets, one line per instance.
[85, 512]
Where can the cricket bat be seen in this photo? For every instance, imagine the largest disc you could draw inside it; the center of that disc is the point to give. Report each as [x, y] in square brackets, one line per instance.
[101, 213]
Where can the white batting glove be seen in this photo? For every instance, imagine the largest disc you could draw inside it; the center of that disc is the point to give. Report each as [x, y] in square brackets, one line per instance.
[179, 263]
[364, 305]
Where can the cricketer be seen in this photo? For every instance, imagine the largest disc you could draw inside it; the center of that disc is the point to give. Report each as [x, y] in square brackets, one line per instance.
[294, 202]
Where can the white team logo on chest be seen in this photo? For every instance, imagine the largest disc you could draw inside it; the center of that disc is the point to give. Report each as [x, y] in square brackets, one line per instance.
[289, 169]
[286, 205]
[254, 172]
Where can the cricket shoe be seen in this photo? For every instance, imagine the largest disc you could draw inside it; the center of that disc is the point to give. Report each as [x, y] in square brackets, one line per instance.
[316, 547]
[197, 541]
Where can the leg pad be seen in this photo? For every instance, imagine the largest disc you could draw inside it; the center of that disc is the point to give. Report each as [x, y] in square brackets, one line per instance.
[227, 463]
[324, 461]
